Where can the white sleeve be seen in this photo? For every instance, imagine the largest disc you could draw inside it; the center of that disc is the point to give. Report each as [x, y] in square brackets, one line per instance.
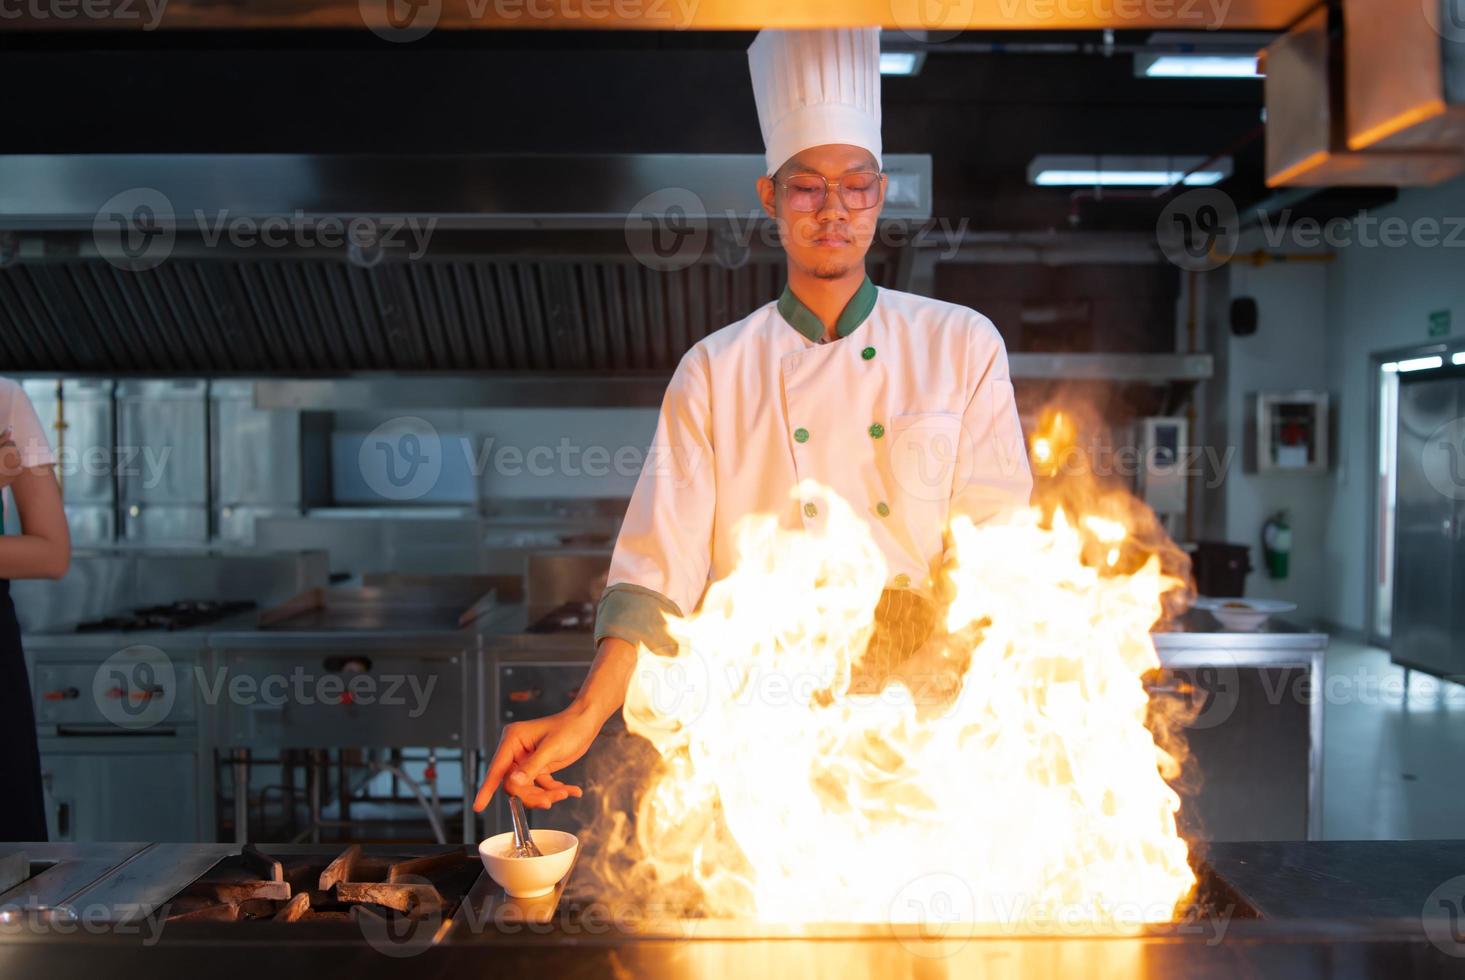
[994, 477]
[665, 544]
[26, 431]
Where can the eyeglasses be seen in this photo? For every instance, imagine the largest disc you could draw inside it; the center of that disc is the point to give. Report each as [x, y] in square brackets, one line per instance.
[859, 191]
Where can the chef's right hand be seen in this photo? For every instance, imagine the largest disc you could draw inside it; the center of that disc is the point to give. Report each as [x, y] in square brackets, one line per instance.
[531, 752]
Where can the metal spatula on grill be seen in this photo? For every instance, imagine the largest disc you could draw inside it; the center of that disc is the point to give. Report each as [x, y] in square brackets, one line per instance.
[523, 843]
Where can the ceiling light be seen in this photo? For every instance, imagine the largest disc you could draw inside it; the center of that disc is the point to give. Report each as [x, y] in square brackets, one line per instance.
[1422, 363]
[1197, 66]
[1389, 368]
[1458, 357]
[901, 62]
[1125, 178]
[1183, 54]
[1056, 170]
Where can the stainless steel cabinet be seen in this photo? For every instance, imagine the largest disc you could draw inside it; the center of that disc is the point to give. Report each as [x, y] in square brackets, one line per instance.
[121, 788]
[163, 461]
[337, 690]
[256, 461]
[149, 780]
[1429, 547]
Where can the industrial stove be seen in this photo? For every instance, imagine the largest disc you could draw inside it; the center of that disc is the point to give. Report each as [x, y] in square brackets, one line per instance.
[1294, 909]
[168, 617]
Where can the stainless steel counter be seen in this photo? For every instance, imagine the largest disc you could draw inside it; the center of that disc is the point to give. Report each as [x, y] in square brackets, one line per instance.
[1256, 731]
[1326, 910]
[1198, 633]
[62, 871]
[103, 581]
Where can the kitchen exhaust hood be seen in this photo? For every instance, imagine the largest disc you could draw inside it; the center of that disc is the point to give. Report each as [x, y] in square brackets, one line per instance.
[505, 191]
[1365, 93]
[222, 265]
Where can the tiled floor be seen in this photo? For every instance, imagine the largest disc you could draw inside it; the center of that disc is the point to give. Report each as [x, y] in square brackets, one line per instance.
[1393, 765]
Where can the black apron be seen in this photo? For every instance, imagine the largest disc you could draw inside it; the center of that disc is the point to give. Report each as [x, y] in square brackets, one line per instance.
[22, 807]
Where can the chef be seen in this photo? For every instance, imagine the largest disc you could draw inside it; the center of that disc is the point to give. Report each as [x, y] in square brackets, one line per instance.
[902, 405]
[37, 544]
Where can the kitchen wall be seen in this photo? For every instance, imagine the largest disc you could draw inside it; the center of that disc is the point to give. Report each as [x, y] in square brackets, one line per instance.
[1287, 352]
[1380, 297]
[1320, 325]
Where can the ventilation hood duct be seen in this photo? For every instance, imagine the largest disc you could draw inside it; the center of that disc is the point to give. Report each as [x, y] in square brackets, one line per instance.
[458, 192]
[1361, 95]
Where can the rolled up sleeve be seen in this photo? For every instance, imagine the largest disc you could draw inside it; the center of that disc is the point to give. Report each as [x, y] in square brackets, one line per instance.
[661, 560]
[19, 416]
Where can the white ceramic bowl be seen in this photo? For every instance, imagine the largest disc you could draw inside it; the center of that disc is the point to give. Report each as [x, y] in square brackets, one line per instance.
[1243, 615]
[529, 877]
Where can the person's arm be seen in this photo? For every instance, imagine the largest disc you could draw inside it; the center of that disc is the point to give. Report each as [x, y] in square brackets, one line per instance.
[530, 752]
[43, 548]
[992, 474]
[659, 569]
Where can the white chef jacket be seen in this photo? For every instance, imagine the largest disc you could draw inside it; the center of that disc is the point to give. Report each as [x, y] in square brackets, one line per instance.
[908, 416]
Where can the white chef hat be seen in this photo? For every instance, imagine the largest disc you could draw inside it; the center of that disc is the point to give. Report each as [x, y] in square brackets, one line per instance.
[816, 87]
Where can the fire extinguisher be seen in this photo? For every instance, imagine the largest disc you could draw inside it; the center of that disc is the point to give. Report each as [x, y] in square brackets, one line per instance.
[1277, 544]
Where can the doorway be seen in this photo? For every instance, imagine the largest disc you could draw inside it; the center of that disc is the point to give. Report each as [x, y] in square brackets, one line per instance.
[1385, 377]
[1419, 542]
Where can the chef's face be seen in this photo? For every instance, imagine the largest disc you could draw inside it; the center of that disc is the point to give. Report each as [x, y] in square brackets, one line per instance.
[830, 241]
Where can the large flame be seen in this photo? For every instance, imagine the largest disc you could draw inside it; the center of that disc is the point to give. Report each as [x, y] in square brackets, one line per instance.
[1035, 798]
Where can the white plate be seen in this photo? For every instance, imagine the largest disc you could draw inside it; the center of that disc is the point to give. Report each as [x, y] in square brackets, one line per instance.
[1243, 615]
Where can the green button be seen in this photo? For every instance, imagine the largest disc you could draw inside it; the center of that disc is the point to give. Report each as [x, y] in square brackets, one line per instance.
[868, 353]
[902, 581]
[877, 430]
[801, 435]
[811, 511]
[883, 509]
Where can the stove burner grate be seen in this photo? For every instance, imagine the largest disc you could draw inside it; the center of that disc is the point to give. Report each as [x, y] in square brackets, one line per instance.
[180, 615]
[253, 886]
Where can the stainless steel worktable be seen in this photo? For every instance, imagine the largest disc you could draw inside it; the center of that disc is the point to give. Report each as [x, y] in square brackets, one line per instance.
[1266, 697]
[1295, 909]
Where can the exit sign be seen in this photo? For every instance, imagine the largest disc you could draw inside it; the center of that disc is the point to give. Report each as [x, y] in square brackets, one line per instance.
[1439, 323]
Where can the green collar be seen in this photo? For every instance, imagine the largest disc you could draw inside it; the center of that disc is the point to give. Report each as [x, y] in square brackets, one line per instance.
[802, 319]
